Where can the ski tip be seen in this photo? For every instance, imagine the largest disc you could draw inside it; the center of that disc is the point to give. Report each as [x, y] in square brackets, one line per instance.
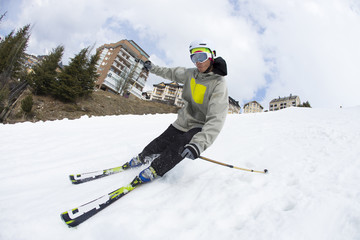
[65, 217]
[73, 180]
[266, 171]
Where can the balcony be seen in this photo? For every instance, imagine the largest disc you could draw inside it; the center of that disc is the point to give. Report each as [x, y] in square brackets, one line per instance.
[136, 92]
[141, 81]
[123, 51]
[109, 84]
[124, 61]
[121, 64]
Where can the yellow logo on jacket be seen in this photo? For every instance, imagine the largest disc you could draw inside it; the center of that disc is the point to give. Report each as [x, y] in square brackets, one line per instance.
[197, 91]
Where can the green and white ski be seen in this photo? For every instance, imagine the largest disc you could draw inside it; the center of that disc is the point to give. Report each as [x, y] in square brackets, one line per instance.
[78, 215]
[86, 177]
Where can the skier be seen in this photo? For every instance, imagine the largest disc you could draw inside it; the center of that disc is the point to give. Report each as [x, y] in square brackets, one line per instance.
[200, 120]
[198, 124]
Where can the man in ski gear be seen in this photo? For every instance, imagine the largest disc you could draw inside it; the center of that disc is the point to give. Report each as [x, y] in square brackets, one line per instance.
[200, 120]
[198, 124]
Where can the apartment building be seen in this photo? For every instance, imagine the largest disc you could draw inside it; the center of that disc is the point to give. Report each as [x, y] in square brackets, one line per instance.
[234, 107]
[285, 102]
[120, 68]
[168, 92]
[253, 107]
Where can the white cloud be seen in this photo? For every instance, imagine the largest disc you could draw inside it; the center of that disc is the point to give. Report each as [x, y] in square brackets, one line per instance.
[315, 45]
[308, 48]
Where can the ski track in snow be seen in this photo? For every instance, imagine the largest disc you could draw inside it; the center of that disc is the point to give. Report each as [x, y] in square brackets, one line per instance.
[311, 191]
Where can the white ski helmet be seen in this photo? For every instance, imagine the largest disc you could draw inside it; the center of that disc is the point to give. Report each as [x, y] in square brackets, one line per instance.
[202, 44]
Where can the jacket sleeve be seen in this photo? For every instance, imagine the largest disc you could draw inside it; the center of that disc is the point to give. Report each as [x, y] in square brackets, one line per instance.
[215, 118]
[178, 74]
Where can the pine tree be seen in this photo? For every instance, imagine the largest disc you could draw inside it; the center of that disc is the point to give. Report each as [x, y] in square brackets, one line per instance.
[44, 76]
[12, 53]
[307, 104]
[67, 87]
[77, 79]
[92, 75]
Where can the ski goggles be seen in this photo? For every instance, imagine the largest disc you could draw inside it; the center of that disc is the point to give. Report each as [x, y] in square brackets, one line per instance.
[200, 57]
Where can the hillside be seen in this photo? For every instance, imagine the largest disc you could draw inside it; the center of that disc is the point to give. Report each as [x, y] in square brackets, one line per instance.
[100, 103]
[310, 193]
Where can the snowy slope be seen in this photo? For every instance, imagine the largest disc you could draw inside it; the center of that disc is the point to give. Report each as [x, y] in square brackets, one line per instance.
[311, 192]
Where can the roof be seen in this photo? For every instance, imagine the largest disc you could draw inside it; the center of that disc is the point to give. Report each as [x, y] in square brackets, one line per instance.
[284, 98]
[233, 102]
[139, 48]
[253, 102]
[124, 44]
[172, 84]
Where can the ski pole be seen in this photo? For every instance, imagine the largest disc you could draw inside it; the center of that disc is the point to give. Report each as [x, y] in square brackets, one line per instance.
[231, 166]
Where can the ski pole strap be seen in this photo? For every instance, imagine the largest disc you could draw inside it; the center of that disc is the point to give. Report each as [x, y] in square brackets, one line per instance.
[231, 166]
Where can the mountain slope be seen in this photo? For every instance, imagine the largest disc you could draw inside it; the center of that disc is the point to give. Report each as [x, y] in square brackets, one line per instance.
[311, 191]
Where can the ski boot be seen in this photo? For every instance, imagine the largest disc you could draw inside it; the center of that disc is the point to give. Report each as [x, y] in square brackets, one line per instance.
[146, 175]
[134, 162]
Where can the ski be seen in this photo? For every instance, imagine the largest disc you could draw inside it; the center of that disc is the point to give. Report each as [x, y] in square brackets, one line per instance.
[85, 177]
[78, 215]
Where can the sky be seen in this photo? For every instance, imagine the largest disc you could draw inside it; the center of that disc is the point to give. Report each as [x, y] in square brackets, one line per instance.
[273, 48]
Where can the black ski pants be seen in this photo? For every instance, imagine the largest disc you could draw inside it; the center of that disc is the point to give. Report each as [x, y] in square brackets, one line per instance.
[168, 148]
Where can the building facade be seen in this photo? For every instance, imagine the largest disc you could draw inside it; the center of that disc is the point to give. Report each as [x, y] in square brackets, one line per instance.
[120, 68]
[234, 107]
[30, 61]
[253, 107]
[168, 92]
[285, 102]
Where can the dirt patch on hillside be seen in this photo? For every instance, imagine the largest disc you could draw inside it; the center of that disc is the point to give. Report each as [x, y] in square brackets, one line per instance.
[100, 103]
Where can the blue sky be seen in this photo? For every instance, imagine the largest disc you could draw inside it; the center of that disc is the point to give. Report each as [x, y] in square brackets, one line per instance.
[273, 48]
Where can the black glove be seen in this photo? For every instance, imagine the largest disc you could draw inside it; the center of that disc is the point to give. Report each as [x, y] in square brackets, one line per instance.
[147, 65]
[190, 151]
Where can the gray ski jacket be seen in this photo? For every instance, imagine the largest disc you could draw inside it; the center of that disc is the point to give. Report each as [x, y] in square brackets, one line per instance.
[206, 100]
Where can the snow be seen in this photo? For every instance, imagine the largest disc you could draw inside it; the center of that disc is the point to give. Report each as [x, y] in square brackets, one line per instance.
[311, 191]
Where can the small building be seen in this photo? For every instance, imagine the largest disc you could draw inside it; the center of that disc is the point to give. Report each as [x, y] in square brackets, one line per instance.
[253, 107]
[30, 61]
[234, 107]
[285, 102]
[170, 93]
